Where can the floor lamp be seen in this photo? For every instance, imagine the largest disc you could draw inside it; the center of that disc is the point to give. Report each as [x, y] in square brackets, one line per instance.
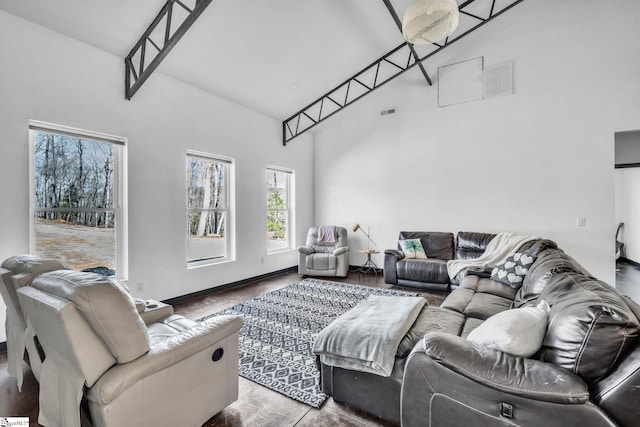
[357, 227]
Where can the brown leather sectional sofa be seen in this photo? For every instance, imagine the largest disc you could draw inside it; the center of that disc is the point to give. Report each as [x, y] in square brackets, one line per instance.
[585, 373]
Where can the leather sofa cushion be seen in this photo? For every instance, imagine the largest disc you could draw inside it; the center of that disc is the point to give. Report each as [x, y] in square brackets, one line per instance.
[482, 306]
[167, 327]
[480, 297]
[469, 325]
[430, 319]
[436, 244]
[108, 308]
[429, 270]
[590, 325]
[471, 244]
[320, 261]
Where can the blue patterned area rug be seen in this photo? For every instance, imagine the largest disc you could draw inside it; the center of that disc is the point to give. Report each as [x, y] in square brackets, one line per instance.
[276, 341]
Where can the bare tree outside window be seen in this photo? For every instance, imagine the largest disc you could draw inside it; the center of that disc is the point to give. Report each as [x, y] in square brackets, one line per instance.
[74, 201]
[207, 207]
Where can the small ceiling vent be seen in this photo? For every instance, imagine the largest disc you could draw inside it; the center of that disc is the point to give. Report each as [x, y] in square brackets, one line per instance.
[498, 80]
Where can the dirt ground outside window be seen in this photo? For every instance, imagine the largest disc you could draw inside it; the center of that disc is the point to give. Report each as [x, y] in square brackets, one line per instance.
[76, 246]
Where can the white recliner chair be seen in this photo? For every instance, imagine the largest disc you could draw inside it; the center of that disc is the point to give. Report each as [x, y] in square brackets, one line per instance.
[326, 252]
[20, 270]
[167, 373]
[16, 272]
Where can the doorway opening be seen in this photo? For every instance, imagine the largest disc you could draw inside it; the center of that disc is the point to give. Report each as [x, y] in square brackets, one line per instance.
[627, 212]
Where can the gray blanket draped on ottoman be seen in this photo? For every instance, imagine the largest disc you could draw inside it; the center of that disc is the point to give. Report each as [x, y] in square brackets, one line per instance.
[366, 337]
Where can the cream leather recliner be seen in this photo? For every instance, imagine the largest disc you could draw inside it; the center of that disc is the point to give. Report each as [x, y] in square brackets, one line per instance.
[326, 252]
[18, 271]
[167, 373]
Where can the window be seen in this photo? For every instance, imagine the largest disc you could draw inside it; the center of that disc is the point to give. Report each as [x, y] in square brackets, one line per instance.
[208, 208]
[77, 198]
[279, 209]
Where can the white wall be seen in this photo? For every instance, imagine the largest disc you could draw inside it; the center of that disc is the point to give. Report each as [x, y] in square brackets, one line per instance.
[46, 76]
[628, 210]
[528, 163]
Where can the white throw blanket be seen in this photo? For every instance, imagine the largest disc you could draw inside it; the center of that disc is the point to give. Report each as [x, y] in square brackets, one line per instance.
[366, 338]
[497, 251]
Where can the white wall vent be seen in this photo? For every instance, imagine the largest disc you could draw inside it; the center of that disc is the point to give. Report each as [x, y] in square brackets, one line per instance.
[498, 80]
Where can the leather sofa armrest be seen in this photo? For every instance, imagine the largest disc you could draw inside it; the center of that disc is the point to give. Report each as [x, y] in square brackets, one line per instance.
[395, 252]
[340, 250]
[154, 311]
[390, 272]
[163, 355]
[486, 367]
[307, 250]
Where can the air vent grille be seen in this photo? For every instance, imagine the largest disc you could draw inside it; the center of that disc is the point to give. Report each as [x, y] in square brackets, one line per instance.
[498, 80]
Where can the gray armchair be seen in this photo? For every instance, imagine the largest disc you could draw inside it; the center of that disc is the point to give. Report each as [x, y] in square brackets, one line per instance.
[326, 252]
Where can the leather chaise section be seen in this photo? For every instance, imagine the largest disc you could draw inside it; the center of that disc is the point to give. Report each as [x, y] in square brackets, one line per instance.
[380, 395]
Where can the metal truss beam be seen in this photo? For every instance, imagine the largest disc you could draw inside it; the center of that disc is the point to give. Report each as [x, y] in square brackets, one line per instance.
[157, 41]
[375, 75]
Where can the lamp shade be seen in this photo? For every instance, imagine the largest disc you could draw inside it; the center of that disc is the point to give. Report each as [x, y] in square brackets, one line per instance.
[429, 21]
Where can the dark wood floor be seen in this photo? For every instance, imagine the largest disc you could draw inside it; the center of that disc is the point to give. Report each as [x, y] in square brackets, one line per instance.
[256, 405]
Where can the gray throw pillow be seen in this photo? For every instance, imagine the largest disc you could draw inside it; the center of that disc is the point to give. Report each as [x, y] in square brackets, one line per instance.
[513, 271]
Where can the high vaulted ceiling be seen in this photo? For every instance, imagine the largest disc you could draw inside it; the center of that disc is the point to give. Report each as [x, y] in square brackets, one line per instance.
[274, 57]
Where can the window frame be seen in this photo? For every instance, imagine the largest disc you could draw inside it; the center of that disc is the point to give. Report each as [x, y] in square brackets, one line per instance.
[290, 208]
[229, 225]
[120, 186]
